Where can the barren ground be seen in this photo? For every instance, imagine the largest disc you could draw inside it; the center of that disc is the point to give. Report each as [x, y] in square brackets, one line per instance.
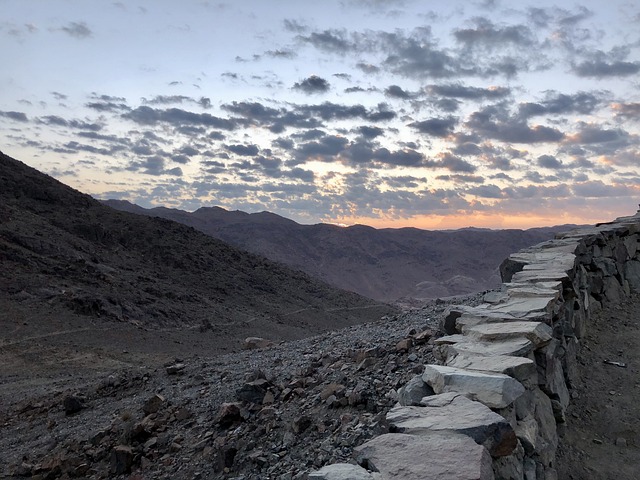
[602, 436]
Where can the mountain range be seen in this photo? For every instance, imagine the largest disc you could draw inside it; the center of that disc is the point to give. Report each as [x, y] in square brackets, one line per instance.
[63, 253]
[382, 264]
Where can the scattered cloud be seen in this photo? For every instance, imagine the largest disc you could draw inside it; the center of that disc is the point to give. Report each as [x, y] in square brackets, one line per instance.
[78, 30]
[312, 85]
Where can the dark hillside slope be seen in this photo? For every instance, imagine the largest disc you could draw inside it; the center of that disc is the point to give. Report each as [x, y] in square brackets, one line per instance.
[62, 251]
[385, 264]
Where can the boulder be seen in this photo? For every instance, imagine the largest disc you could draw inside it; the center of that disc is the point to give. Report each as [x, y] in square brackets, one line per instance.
[121, 460]
[414, 391]
[153, 404]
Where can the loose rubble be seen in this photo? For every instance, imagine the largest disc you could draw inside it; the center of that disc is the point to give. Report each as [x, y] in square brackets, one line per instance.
[280, 411]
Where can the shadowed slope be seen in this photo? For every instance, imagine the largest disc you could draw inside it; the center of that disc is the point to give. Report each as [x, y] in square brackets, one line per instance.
[63, 251]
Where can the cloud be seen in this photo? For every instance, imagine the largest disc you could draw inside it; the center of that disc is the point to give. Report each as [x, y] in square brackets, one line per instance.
[312, 85]
[175, 116]
[61, 122]
[455, 164]
[556, 103]
[486, 34]
[592, 133]
[15, 116]
[334, 41]
[495, 122]
[370, 132]
[77, 30]
[601, 64]
[551, 162]
[243, 150]
[204, 102]
[397, 92]
[154, 166]
[468, 93]
[437, 127]
[627, 110]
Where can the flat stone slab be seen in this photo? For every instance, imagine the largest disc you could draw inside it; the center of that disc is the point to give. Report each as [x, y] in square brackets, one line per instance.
[517, 347]
[456, 413]
[523, 308]
[436, 456]
[343, 471]
[536, 332]
[495, 390]
[522, 369]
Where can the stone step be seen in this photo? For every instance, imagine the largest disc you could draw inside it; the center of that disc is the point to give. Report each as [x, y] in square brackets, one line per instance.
[437, 456]
[538, 333]
[454, 412]
[461, 344]
[495, 390]
[522, 369]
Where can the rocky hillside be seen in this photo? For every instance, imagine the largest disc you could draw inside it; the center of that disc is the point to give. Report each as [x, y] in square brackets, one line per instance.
[384, 264]
[63, 252]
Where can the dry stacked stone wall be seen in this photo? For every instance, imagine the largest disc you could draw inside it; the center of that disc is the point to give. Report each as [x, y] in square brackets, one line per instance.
[492, 406]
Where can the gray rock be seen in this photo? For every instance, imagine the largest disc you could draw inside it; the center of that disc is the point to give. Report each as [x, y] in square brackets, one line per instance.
[632, 274]
[72, 404]
[493, 389]
[254, 343]
[522, 369]
[436, 456]
[538, 333]
[153, 404]
[413, 391]
[342, 471]
[121, 460]
[456, 413]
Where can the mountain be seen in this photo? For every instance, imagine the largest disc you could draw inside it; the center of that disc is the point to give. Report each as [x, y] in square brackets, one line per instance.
[64, 254]
[383, 264]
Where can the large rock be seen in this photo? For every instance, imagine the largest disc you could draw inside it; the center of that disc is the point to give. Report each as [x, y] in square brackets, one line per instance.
[456, 413]
[436, 456]
[343, 471]
[538, 333]
[632, 275]
[493, 389]
[518, 347]
[414, 391]
[522, 369]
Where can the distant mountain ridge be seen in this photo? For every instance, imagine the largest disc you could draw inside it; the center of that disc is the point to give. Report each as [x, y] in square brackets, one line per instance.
[383, 264]
[63, 252]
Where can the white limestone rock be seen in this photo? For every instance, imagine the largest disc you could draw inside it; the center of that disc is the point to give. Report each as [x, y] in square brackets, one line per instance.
[436, 456]
[343, 471]
[538, 333]
[492, 389]
[454, 412]
[522, 369]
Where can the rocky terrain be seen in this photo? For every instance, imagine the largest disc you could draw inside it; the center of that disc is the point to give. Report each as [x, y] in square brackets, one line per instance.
[273, 413]
[384, 264]
[63, 252]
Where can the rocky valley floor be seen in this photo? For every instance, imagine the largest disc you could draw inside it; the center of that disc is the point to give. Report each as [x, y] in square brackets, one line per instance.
[109, 400]
[100, 400]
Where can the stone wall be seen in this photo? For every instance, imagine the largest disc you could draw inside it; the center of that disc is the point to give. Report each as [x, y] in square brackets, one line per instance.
[492, 407]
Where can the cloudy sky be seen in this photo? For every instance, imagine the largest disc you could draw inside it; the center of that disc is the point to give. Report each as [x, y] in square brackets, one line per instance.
[390, 113]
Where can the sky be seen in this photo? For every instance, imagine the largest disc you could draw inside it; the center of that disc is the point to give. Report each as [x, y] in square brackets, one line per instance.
[390, 113]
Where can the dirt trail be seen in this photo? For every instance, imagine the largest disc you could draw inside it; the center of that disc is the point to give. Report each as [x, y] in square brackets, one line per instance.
[602, 436]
